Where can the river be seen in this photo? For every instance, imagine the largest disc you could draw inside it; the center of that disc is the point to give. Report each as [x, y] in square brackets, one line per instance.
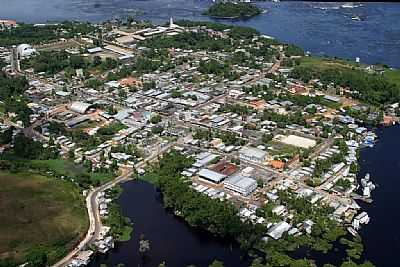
[171, 240]
[321, 28]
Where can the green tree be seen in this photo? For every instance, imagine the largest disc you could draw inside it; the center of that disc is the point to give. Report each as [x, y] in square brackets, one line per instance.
[36, 258]
[216, 263]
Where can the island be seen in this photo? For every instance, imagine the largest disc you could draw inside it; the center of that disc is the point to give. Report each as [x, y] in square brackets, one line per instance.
[233, 10]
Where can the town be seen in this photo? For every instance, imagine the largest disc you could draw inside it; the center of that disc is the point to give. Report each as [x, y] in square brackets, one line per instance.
[260, 130]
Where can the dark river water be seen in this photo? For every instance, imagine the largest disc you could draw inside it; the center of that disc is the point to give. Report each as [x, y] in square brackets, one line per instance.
[321, 28]
[179, 245]
[382, 234]
[171, 240]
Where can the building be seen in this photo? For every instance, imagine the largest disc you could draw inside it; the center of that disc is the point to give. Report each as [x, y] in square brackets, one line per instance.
[252, 154]
[7, 23]
[277, 164]
[80, 107]
[241, 184]
[81, 259]
[225, 168]
[211, 176]
[94, 50]
[332, 98]
[129, 82]
[77, 120]
[361, 218]
[25, 50]
[278, 229]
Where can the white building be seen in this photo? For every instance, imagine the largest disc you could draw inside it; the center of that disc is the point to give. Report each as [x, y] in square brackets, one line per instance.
[25, 50]
[278, 229]
[252, 154]
[240, 184]
[361, 218]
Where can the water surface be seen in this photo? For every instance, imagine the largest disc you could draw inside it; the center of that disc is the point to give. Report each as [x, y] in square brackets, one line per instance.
[321, 28]
[171, 240]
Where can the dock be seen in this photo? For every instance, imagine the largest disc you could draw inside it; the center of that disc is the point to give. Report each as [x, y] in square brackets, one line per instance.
[358, 197]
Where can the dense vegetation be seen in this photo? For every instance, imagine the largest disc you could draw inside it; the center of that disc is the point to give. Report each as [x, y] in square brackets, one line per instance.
[371, 88]
[121, 227]
[30, 34]
[232, 10]
[52, 62]
[11, 90]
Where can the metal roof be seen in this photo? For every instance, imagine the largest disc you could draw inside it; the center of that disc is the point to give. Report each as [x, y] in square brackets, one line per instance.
[79, 107]
[211, 175]
[240, 181]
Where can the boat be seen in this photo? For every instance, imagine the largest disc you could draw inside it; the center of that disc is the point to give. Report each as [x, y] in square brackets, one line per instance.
[356, 18]
[351, 5]
[366, 192]
[352, 231]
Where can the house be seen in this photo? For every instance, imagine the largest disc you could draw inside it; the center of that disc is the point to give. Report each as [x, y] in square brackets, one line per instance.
[258, 104]
[277, 164]
[129, 82]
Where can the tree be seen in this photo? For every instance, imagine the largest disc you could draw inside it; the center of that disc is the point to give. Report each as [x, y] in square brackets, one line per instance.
[36, 258]
[155, 119]
[96, 61]
[6, 136]
[267, 138]
[216, 263]
[71, 154]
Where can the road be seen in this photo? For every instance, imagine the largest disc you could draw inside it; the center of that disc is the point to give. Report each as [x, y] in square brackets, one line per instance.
[95, 223]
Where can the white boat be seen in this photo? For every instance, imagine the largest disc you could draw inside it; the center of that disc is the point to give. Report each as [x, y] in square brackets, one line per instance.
[367, 192]
[356, 18]
[351, 5]
[352, 231]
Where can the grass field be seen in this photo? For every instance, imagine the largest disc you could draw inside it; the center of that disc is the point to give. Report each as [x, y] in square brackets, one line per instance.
[281, 149]
[69, 168]
[393, 76]
[326, 63]
[37, 211]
